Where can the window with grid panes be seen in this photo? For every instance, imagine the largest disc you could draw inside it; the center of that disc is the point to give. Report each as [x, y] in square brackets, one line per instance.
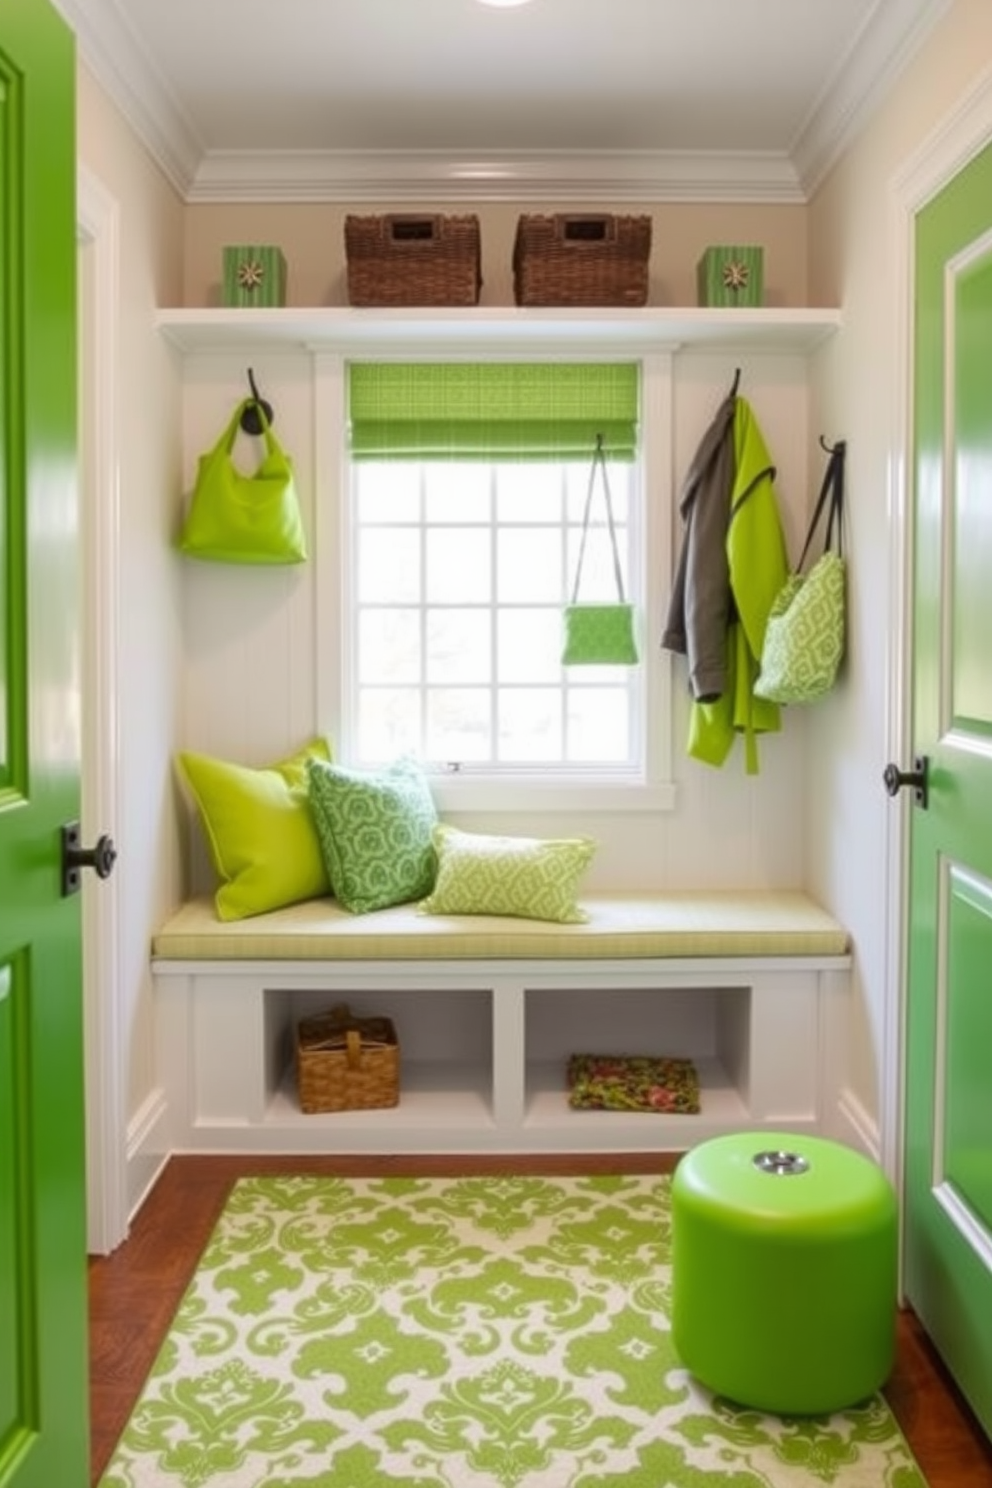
[467, 490]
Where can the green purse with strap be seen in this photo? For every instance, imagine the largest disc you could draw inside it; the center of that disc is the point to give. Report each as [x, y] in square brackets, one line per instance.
[599, 634]
[238, 518]
[805, 635]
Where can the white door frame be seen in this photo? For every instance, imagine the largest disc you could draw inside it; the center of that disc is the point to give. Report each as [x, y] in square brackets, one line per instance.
[957, 140]
[98, 370]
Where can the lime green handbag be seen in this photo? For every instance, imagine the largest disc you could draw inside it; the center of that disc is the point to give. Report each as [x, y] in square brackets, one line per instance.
[237, 518]
[804, 638]
[599, 634]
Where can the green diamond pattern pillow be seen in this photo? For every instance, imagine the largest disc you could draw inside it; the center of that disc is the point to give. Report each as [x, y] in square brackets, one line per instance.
[375, 831]
[259, 830]
[530, 877]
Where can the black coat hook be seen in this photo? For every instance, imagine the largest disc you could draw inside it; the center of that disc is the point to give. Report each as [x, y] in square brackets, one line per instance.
[250, 420]
[735, 384]
[833, 449]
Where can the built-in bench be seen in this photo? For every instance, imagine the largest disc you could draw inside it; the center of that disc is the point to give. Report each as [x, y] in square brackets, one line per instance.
[750, 986]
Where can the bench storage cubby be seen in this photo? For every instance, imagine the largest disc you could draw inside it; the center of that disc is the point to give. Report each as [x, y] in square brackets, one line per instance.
[487, 1011]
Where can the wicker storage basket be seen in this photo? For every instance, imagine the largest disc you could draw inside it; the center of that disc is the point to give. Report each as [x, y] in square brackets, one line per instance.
[408, 260]
[581, 260]
[344, 1063]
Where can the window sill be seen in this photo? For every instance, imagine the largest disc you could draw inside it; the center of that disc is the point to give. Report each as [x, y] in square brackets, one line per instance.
[548, 796]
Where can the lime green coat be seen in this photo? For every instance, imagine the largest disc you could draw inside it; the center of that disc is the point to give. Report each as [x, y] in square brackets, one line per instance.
[759, 567]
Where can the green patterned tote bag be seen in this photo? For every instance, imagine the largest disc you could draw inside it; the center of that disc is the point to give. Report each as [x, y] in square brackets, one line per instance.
[805, 634]
[599, 634]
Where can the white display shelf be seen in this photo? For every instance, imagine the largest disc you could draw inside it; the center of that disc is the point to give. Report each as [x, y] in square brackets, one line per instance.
[431, 1096]
[497, 329]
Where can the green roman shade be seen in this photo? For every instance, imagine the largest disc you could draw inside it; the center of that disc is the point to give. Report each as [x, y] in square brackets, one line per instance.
[492, 410]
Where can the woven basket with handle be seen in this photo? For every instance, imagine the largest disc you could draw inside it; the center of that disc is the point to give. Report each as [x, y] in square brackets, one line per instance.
[402, 259]
[346, 1063]
[586, 259]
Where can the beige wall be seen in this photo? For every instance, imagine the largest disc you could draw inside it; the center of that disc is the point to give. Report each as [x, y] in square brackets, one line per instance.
[312, 238]
[150, 218]
[854, 249]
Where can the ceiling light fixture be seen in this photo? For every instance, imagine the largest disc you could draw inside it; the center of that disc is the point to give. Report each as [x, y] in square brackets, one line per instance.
[504, 4]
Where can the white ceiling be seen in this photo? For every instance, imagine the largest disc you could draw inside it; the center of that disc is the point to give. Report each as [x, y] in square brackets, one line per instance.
[660, 99]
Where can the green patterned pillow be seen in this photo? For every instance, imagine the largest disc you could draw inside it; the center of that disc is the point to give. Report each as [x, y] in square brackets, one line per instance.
[533, 878]
[375, 832]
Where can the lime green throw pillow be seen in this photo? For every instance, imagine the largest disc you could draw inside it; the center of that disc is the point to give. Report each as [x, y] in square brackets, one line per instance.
[530, 877]
[375, 830]
[259, 830]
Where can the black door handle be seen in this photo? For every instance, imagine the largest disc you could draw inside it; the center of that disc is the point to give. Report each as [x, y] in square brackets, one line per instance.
[101, 858]
[917, 778]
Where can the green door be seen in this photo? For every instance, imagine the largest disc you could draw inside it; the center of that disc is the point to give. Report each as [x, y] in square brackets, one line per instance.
[43, 1357]
[948, 1240]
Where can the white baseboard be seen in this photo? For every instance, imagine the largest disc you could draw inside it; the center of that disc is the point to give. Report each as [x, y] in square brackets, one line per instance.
[856, 1127]
[150, 1145]
[148, 1148]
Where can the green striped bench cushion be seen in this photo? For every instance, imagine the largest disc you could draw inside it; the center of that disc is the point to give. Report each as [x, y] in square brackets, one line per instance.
[727, 924]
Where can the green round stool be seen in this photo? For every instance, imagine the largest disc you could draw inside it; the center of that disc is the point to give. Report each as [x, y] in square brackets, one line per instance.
[784, 1256]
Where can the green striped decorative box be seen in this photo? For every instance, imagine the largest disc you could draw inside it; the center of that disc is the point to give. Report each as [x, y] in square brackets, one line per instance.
[731, 276]
[254, 275]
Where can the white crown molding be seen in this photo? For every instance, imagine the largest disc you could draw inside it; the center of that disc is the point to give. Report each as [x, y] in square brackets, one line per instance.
[878, 54]
[953, 142]
[598, 177]
[106, 45]
[112, 51]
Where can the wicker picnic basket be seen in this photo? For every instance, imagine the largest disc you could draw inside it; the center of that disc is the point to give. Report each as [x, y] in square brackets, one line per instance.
[409, 260]
[345, 1063]
[588, 259]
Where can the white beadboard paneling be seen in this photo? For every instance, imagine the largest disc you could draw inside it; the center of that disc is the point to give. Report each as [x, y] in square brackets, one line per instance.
[248, 669]
[249, 630]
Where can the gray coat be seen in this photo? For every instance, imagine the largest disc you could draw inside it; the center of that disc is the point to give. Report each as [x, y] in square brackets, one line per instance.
[701, 604]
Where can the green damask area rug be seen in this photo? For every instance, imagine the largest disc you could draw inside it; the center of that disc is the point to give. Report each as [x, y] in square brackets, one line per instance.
[459, 1333]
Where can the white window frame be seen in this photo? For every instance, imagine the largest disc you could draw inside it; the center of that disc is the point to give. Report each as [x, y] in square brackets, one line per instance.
[478, 792]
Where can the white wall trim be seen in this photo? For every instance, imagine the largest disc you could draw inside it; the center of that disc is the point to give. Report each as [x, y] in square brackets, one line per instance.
[958, 138]
[332, 566]
[149, 1146]
[857, 1128]
[659, 502]
[98, 235]
[898, 663]
[596, 177]
[877, 55]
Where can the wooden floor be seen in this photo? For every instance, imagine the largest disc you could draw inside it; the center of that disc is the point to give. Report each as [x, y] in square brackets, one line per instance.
[134, 1294]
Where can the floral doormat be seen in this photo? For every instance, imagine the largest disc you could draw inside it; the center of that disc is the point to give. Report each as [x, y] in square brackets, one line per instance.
[633, 1082]
[459, 1333]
